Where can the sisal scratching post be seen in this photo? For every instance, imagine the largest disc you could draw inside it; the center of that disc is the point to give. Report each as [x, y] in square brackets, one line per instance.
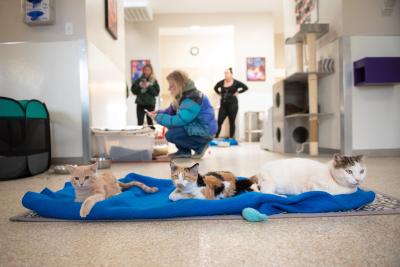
[299, 54]
[313, 92]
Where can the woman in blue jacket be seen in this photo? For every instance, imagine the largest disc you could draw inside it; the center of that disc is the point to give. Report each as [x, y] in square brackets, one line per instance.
[190, 118]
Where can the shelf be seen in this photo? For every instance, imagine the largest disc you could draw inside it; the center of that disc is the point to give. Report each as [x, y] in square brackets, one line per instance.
[377, 71]
[319, 29]
[303, 76]
[299, 115]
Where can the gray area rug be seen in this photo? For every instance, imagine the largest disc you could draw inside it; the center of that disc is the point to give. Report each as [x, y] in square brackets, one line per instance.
[382, 205]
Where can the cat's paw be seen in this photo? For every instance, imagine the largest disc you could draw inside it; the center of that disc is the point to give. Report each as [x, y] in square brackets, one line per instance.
[174, 197]
[85, 210]
[153, 189]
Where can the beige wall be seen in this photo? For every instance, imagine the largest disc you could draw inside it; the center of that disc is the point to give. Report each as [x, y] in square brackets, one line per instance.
[364, 17]
[13, 29]
[99, 36]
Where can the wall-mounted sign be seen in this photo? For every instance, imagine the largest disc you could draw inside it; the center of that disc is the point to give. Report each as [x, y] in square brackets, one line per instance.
[38, 12]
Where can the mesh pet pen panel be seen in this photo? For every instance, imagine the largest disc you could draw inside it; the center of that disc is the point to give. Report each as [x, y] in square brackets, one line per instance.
[24, 138]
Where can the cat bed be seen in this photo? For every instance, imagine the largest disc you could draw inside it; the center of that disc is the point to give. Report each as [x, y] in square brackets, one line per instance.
[223, 142]
[136, 204]
[24, 138]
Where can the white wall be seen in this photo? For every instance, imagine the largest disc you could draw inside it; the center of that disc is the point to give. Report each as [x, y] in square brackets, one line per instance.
[329, 99]
[376, 109]
[204, 69]
[330, 11]
[13, 29]
[254, 37]
[26, 72]
[46, 66]
[106, 60]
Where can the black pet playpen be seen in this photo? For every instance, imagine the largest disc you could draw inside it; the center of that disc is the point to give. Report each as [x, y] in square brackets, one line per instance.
[24, 138]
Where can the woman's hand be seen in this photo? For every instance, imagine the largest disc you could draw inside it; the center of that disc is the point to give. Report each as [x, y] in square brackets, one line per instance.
[236, 94]
[152, 114]
[144, 84]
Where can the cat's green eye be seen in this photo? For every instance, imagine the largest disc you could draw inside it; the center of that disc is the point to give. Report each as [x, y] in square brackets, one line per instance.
[349, 171]
[362, 171]
[86, 177]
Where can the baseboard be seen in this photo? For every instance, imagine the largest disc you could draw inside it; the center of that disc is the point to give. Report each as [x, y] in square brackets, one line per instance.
[72, 160]
[395, 152]
[325, 150]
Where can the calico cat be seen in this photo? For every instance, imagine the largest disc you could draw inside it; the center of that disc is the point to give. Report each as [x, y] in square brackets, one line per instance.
[213, 185]
[92, 187]
[341, 175]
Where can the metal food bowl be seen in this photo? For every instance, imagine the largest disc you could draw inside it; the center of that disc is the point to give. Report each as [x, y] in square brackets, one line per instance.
[61, 169]
[103, 162]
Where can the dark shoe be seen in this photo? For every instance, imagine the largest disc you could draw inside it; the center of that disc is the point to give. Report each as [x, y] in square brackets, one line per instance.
[180, 155]
[199, 154]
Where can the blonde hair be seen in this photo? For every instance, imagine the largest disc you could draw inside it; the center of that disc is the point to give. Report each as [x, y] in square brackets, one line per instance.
[180, 78]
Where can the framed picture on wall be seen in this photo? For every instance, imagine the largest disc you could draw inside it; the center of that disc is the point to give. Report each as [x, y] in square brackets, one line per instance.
[112, 18]
[255, 68]
[136, 68]
[306, 11]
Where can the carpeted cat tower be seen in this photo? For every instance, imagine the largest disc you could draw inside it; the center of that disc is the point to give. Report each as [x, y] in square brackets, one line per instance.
[24, 138]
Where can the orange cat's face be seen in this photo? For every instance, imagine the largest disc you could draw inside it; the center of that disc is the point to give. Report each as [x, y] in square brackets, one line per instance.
[82, 176]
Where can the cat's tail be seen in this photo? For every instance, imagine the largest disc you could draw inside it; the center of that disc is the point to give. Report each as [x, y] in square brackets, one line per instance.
[246, 184]
[138, 184]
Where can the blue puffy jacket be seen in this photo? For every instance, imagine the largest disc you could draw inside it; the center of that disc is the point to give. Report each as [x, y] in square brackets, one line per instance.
[194, 113]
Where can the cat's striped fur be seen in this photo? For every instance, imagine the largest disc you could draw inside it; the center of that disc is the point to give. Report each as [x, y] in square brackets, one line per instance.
[213, 185]
[92, 187]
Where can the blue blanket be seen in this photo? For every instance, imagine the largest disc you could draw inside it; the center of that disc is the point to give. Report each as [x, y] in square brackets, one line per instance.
[136, 204]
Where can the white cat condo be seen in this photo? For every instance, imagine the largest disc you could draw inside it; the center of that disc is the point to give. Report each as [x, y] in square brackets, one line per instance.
[295, 98]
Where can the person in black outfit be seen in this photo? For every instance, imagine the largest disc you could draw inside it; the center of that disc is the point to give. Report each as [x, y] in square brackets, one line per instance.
[229, 88]
[146, 89]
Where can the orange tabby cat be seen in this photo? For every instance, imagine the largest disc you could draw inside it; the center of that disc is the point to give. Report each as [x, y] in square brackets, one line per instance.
[92, 187]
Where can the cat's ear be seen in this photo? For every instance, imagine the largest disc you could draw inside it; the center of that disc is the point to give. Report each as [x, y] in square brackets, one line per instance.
[194, 169]
[93, 167]
[173, 166]
[337, 157]
[359, 158]
[70, 168]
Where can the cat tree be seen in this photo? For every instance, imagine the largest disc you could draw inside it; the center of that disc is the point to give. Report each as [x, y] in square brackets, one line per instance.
[308, 35]
[299, 90]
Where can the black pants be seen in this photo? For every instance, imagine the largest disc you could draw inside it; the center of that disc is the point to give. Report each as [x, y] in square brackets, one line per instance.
[140, 113]
[230, 110]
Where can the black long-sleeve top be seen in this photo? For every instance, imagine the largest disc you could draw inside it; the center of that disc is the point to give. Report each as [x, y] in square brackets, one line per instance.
[227, 93]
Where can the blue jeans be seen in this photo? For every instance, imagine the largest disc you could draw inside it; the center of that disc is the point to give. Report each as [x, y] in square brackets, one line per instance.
[184, 142]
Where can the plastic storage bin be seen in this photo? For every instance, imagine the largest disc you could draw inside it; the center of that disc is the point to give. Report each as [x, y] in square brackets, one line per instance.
[131, 144]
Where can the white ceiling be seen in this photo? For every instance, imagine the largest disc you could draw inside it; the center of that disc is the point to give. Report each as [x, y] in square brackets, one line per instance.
[209, 6]
[274, 7]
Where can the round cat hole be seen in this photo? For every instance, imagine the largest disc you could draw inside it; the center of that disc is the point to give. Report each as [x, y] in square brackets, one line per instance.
[277, 100]
[278, 135]
[300, 134]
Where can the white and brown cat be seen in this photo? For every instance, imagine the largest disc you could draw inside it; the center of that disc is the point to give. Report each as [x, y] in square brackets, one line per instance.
[213, 185]
[341, 175]
[92, 187]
